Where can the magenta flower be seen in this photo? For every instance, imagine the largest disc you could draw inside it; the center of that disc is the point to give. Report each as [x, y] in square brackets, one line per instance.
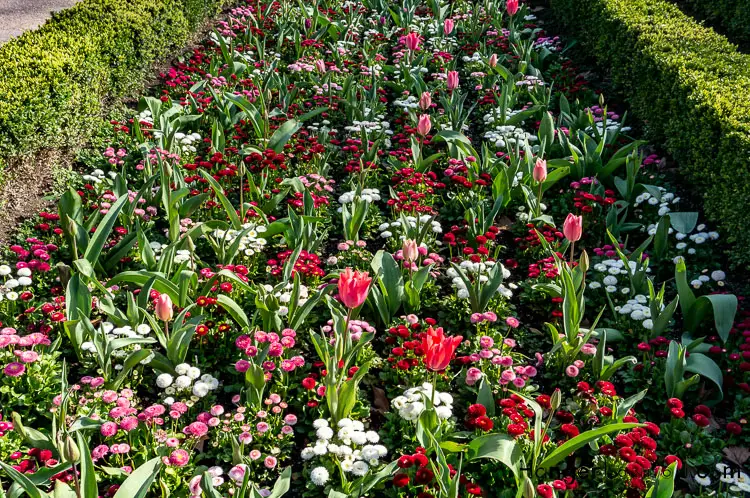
[14, 369]
[179, 458]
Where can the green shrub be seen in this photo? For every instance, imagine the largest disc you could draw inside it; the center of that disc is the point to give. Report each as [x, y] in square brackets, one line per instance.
[731, 16]
[54, 80]
[691, 88]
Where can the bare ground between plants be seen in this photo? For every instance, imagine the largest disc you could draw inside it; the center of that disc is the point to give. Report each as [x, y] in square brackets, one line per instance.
[27, 180]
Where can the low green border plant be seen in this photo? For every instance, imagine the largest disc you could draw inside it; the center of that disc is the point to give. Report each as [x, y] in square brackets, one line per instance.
[691, 88]
[731, 16]
[54, 80]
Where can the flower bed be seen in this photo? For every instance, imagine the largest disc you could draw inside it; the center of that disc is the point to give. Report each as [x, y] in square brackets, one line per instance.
[690, 86]
[54, 79]
[347, 252]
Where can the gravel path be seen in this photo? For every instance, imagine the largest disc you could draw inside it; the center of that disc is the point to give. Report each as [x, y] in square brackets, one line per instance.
[17, 16]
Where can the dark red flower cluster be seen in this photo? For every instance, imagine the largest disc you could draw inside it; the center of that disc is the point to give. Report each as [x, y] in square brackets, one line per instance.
[307, 264]
[406, 339]
[476, 247]
[476, 418]
[423, 475]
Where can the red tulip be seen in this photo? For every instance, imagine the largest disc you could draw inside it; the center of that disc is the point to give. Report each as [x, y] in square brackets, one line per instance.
[424, 126]
[353, 287]
[439, 349]
[511, 6]
[412, 41]
[540, 171]
[164, 311]
[573, 227]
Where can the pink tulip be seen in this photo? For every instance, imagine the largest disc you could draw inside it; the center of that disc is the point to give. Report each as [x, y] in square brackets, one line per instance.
[412, 41]
[452, 80]
[164, 311]
[573, 227]
[320, 65]
[511, 6]
[353, 287]
[540, 170]
[493, 60]
[410, 250]
[448, 26]
[425, 101]
[424, 126]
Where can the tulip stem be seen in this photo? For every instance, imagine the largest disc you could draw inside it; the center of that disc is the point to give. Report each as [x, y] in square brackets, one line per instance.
[572, 251]
[539, 201]
[434, 388]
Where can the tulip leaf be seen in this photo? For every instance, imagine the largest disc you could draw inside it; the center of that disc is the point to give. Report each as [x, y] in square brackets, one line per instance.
[140, 480]
[500, 447]
[569, 447]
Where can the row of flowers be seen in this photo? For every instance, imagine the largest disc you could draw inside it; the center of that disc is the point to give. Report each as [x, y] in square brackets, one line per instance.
[344, 250]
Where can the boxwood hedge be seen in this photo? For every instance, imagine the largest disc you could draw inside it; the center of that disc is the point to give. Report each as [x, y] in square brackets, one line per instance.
[53, 80]
[689, 85]
[731, 17]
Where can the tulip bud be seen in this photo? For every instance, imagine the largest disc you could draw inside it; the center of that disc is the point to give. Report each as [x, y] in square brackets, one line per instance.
[573, 227]
[452, 80]
[583, 262]
[424, 126]
[511, 6]
[164, 310]
[190, 245]
[320, 65]
[410, 250]
[540, 170]
[555, 400]
[167, 172]
[412, 41]
[601, 100]
[528, 488]
[308, 23]
[425, 101]
[493, 60]
[70, 450]
[448, 26]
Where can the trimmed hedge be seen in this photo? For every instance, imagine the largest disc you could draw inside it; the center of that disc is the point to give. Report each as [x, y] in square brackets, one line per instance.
[691, 88]
[53, 80]
[731, 16]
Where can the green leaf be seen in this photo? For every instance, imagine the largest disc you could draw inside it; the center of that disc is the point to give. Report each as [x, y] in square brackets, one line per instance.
[282, 135]
[88, 473]
[23, 481]
[282, 484]
[500, 447]
[485, 397]
[228, 207]
[569, 447]
[139, 482]
[723, 307]
[664, 485]
[701, 364]
[234, 310]
[624, 406]
[96, 244]
[683, 222]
